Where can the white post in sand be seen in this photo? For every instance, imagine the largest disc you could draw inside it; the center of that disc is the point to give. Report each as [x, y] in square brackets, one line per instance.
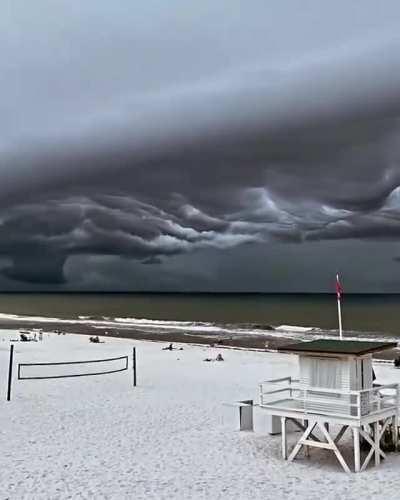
[339, 292]
[340, 319]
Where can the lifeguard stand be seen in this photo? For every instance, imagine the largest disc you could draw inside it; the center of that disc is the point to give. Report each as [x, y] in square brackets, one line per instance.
[335, 388]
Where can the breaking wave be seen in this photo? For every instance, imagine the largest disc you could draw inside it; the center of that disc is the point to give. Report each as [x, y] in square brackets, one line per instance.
[295, 332]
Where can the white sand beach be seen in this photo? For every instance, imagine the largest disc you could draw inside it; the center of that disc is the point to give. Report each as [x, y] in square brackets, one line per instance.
[170, 437]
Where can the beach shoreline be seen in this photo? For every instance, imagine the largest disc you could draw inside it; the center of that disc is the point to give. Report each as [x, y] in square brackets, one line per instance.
[262, 342]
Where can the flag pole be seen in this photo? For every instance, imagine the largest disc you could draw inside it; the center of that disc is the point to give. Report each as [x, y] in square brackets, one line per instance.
[339, 291]
[339, 309]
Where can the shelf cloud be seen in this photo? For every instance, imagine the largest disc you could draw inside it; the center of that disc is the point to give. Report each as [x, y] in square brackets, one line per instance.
[145, 159]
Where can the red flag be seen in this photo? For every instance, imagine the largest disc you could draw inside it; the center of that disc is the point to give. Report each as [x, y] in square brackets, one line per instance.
[339, 289]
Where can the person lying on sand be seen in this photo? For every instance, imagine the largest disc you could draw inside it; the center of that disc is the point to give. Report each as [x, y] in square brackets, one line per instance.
[172, 348]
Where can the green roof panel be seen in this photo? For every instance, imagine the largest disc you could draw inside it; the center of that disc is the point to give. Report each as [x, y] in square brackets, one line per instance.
[343, 347]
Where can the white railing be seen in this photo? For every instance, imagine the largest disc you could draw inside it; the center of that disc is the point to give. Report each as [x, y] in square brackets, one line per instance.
[288, 394]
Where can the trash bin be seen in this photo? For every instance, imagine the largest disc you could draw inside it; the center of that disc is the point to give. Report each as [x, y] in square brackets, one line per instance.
[246, 415]
[273, 424]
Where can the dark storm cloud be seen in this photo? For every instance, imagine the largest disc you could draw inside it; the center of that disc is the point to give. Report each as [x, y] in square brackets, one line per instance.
[156, 140]
[37, 265]
[39, 237]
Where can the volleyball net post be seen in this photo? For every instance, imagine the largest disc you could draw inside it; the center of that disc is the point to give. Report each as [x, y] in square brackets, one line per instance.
[10, 369]
[134, 366]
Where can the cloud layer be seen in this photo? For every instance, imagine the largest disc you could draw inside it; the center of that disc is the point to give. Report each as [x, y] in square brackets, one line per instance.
[147, 159]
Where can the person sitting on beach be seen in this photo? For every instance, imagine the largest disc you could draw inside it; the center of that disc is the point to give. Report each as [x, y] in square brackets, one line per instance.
[169, 348]
[95, 340]
[218, 358]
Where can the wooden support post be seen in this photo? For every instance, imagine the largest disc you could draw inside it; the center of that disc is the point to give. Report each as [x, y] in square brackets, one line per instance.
[356, 440]
[302, 440]
[340, 434]
[377, 443]
[134, 366]
[284, 438]
[373, 441]
[10, 367]
[302, 427]
[306, 448]
[395, 432]
[333, 447]
[328, 445]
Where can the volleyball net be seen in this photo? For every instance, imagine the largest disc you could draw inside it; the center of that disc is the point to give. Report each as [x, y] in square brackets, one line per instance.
[66, 369]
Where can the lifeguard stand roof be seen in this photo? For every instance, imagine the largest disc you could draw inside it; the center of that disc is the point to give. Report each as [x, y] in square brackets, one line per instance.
[337, 347]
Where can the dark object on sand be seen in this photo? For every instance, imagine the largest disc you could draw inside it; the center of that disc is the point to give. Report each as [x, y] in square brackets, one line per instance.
[388, 443]
[95, 340]
[397, 362]
[24, 338]
[218, 358]
[172, 348]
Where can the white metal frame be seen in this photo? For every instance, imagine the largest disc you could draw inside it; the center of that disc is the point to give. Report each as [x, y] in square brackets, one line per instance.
[295, 398]
[368, 417]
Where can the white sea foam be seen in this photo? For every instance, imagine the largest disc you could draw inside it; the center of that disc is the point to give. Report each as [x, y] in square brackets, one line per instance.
[294, 328]
[121, 323]
[293, 332]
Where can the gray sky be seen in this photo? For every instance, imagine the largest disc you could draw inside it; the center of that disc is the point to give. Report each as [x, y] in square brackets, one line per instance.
[199, 145]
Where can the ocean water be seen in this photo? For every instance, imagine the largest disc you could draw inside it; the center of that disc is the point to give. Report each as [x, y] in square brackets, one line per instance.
[293, 315]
